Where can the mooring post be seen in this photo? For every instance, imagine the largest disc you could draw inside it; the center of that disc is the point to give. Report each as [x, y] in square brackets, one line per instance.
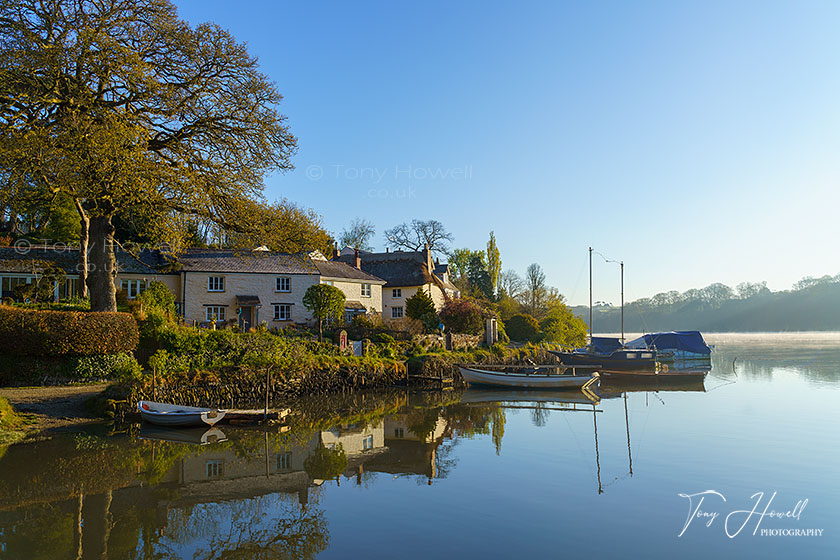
[267, 384]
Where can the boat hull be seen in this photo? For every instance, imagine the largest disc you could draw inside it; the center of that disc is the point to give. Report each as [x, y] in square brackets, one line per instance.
[617, 361]
[163, 414]
[525, 380]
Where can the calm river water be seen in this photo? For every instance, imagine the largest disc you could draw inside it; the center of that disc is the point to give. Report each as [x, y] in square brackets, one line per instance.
[465, 474]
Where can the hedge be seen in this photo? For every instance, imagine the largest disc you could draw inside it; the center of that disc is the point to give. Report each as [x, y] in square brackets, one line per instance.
[30, 332]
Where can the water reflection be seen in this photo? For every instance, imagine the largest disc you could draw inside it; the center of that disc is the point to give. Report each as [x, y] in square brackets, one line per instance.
[307, 489]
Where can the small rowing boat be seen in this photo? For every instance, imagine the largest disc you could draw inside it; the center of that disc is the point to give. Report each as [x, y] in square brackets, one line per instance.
[535, 378]
[164, 414]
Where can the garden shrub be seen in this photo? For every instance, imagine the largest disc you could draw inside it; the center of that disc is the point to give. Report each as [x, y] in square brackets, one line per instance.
[157, 297]
[107, 366]
[65, 333]
[522, 328]
[462, 316]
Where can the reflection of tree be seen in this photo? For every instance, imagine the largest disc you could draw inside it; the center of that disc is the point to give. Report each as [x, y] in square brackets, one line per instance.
[325, 464]
[263, 527]
[498, 430]
[539, 415]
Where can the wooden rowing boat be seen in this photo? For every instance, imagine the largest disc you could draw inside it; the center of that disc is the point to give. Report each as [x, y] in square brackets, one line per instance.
[164, 414]
[569, 379]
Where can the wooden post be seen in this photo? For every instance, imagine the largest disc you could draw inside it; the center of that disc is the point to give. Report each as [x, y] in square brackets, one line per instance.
[267, 383]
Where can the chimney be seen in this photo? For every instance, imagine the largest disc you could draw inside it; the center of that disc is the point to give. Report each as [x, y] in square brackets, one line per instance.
[428, 255]
[358, 260]
[336, 252]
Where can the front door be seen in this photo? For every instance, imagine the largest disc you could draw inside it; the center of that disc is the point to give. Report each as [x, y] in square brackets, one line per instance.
[246, 318]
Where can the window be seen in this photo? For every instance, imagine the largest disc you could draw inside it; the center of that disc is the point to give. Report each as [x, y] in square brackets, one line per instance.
[284, 461]
[282, 312]
[367, 443]
[396, 312]
[365, 290]
[399, 432]
[396, 292]
[215, 468]
[133, 288]
[284, 284]
[215, 313]
[9, 284]
[329, 282]
[215, 283]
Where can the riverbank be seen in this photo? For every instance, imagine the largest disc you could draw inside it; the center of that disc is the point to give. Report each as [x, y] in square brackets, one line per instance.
[13, 426]
[51, 407]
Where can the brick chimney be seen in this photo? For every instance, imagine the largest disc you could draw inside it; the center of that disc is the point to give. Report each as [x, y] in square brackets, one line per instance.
[428, 256]
[358, 260]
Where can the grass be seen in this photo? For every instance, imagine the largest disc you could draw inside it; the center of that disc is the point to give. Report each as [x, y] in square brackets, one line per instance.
[12, 425]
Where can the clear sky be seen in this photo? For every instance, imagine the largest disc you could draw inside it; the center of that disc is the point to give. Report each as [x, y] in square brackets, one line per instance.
[697, 141]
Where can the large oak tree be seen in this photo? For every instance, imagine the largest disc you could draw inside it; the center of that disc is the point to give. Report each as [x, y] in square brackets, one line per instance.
[119, 104]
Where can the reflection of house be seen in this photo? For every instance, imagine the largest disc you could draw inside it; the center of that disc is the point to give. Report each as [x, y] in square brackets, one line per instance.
[396, 428]
[405, 272]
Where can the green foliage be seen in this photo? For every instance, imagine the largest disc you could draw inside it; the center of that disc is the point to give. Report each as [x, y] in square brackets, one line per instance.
[61, 333]
[325, 302]
[158, 298]
[561, 326]
[462, 316]
[479, 278]
[494, 262]
[421, 307]
[523, 328]
[325, 464]
[12, 424]
[122, 367]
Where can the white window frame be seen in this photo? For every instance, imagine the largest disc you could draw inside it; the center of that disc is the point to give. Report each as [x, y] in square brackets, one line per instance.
[366, 290]
[329, 282]
[397, 312]
[396, 293]
[219, 311]
[215, 283]
[214, 468]
[367, 442]
[278, 316]
[284, 461]
[278, 284]
[132, 288]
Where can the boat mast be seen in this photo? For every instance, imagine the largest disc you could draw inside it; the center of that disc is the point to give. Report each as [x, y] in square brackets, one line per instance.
[590, 294]
[622, 303]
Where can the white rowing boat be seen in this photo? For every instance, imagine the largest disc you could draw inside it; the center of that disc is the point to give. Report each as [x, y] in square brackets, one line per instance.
[164, 414]
[569, 379]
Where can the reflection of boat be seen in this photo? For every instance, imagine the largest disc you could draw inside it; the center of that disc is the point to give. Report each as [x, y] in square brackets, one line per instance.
[674, 346]
[676, 372]
[195, 436]
[164, 414]
[481, 396]
[614, 386]
[533, 378]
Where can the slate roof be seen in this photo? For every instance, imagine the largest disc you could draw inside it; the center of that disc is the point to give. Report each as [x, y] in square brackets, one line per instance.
[34, 259]
[337, 269]
[245, 261]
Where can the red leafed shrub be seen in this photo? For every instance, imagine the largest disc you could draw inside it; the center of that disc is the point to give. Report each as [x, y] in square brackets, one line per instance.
[65, 333]
[462, 316]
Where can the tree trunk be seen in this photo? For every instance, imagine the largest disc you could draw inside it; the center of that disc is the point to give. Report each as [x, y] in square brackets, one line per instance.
[320, 330]
[82, 265]
[103, 265]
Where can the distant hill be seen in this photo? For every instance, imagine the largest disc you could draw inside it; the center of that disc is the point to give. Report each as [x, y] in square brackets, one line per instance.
[813, 308]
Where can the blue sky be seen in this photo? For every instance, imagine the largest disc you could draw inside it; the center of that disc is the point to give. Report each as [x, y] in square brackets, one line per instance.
[697, 141]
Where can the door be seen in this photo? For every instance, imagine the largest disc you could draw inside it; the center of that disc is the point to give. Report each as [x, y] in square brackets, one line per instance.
[246, 319]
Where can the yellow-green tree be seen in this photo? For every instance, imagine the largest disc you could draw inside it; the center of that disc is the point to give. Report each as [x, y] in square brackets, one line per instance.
[122, 105]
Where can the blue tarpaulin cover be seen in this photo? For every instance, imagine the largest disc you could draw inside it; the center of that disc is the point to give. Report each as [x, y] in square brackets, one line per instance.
[604, 345]
[689, 341]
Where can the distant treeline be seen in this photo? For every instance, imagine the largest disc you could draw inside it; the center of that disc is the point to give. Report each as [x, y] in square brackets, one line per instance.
[812, 305]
